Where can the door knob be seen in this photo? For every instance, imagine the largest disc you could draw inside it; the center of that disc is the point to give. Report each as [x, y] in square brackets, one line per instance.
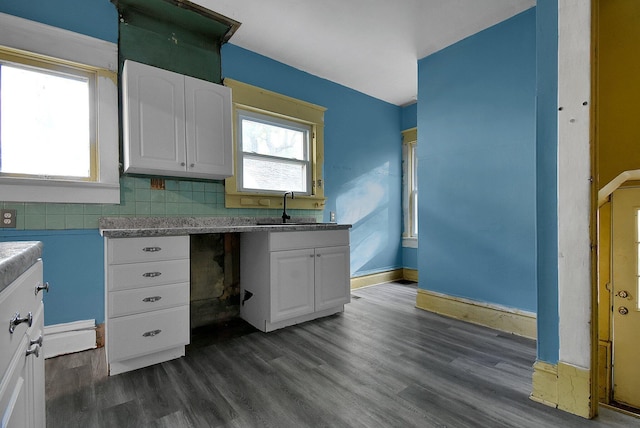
[623, 311]
[623, 294]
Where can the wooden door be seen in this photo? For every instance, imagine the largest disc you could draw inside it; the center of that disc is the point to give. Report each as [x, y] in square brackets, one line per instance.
[292, 284]
[625, 290]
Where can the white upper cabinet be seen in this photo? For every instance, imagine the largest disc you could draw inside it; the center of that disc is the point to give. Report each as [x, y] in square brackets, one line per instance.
[175, 125]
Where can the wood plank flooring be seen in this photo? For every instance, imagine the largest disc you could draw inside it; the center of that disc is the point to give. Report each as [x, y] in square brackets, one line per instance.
[382, 363]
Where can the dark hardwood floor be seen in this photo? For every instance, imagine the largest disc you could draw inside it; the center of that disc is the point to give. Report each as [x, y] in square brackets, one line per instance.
[382, 363]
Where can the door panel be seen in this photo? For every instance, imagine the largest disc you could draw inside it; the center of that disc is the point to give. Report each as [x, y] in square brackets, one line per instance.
[625, 289]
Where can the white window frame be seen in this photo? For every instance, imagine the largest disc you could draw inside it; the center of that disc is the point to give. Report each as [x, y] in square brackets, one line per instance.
[71, 48]
[276, 121]
[409, 188]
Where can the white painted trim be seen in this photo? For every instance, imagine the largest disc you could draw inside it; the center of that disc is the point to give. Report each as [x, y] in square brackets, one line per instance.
[30, 36]
[61, 339]
[574, 182]
[613, 185]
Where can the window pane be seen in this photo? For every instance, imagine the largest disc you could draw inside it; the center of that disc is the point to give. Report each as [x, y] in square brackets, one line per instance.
[273, 175]
[45, 127]
[272, 140]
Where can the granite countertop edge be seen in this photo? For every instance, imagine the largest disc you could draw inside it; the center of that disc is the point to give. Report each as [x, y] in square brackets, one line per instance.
[176, 226]
[16, 258]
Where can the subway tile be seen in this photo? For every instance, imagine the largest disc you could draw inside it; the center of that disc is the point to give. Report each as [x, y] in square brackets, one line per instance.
[142, 183]
[143, 208]
[157, 209]
[110, 210]
[34, 221]
[142, 195]
[198, 197]
[172, 197]
[55, 221]
[172, 209]
[197, 186]
[158, 196]
[35, 209]
[185, 186]
[91, 221]
[55, 209]
[74, 221]
[92, 209]
[171, 185]
[70, 209]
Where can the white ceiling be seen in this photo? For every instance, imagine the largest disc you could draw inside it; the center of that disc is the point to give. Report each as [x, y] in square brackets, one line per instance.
[371, 46]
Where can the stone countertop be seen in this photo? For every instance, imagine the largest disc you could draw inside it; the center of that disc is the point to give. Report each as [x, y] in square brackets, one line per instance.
[16, 258]
[127, 227]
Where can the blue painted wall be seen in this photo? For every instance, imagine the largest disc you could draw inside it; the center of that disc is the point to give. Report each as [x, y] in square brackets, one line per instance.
[477, 157]
[363, 155]
[74, 267]
[362, 166]
[547, 179]
[410, 120]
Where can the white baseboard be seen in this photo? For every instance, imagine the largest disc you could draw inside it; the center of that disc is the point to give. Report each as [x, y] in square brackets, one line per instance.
[60, 339]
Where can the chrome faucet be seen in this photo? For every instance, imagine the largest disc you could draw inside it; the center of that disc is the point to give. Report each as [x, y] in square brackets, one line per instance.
[285, 216]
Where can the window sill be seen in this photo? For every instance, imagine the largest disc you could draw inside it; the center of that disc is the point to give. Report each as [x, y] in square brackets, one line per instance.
[30, 190]
[267, 201]
[410, 242]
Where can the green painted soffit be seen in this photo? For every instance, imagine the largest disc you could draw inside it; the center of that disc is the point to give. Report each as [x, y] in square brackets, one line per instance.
[174, 35]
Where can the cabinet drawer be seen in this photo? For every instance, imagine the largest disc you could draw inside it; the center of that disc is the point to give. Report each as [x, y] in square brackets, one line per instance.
[131, 250]
[137, 275]
[147, 299]
[307, 239]
[141, 334]
[18, 297]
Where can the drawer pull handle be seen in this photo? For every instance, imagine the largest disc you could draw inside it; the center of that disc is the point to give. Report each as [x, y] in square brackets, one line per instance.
[41, 287]
[151, 333]
[37, 341]
[151, 274]
[151, 249]
[16, 320]
[152, 299]
[35, 351]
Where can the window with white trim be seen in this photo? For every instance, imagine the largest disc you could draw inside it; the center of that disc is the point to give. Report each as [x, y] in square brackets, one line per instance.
[273, 154]
[58, 115]
[46, 129]
[410, 187]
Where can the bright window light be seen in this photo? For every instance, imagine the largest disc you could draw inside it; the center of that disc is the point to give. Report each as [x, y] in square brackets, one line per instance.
[45, 126]
[275, 154]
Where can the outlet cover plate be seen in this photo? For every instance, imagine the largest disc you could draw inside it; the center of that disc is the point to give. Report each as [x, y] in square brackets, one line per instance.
[8, 218]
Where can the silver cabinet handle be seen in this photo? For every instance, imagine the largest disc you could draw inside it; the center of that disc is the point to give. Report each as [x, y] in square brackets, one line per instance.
[37, 341]
[151, 299]
[151, 249]
[151, 274]
[151, 333]
[16, 320]
[35, 351]
[41, 287]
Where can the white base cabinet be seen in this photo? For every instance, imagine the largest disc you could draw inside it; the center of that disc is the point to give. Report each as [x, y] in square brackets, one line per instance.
[291, 277]
[147, 301]
[22, 400]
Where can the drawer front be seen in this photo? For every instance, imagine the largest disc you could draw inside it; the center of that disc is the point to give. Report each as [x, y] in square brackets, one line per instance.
[142, 334]
[128, 302]
[146, 249]
[308, 239]
[18, 297]
[137, 275]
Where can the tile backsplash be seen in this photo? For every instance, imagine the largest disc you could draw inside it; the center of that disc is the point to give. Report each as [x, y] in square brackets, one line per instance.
[180, 198]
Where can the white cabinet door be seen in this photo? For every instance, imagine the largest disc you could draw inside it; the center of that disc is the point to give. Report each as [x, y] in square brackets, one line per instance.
[14, 393]
[209, 145]
[292, 284]
[35, 371]
[153, 120]
[332, 277]
[175, 125]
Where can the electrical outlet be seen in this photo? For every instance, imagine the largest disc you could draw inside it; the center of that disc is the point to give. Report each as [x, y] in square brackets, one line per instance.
[332, 216]
[8, 218]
